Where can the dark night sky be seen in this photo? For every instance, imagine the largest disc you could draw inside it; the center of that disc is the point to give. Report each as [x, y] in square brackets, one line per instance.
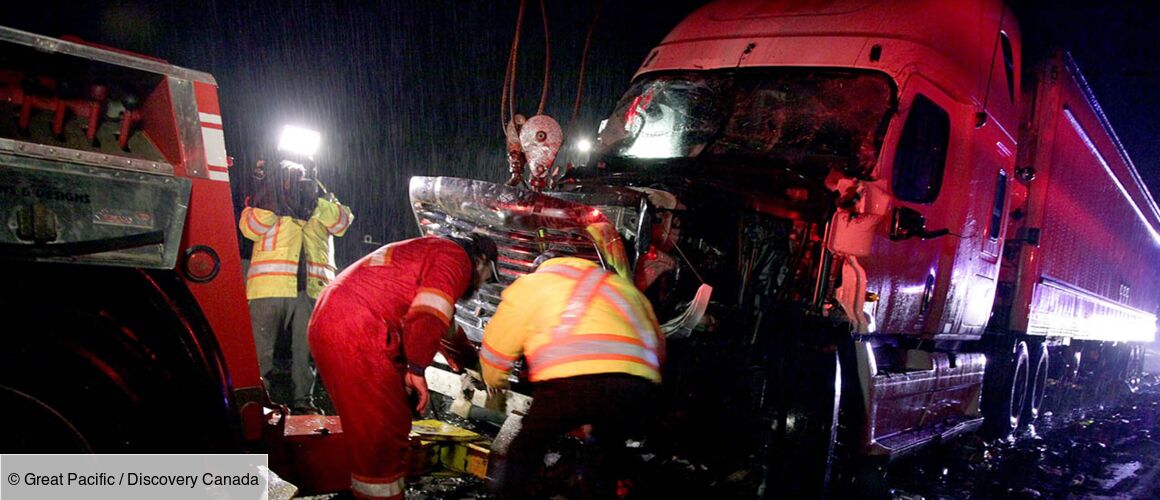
[406, 87]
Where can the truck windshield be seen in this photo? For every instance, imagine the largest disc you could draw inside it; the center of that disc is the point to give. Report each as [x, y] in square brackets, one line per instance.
[786, 117]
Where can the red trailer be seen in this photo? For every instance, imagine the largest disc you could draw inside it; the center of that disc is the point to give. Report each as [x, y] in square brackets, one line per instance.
[1086, 252]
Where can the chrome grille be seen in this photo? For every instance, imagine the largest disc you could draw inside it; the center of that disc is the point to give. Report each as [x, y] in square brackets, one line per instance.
[523, 224]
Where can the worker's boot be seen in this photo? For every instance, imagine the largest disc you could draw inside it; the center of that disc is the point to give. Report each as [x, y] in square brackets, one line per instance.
[305, 407]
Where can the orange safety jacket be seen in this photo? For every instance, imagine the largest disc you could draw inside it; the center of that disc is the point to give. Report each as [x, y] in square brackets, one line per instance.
[572, 318]
[278, 244]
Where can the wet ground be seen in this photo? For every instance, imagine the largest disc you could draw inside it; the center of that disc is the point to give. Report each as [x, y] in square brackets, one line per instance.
[1108, 449]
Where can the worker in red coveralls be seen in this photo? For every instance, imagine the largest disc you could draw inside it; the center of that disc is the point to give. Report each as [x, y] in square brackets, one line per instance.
[374, 331]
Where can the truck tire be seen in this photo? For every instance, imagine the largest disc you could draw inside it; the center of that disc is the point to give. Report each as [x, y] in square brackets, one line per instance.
[1036, 385]
[801, 456]
[107, 370]
[854, 474]
[1004, 391]
[43, 429]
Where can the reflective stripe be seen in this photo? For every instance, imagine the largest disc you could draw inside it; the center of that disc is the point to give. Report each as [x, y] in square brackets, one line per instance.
[319, 271]
[566, 347]
[578, 303]
[271, 238]
[435, 301]
[382, 256]
[562, 270]
[267, 268]
[593, 348]
[491, 356]
[375, 488]
[256, 226]
[646, 333]
[214, 141]
[342, 222]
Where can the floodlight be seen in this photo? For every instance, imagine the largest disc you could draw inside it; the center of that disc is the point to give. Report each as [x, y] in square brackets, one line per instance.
[584, 145]
[300, 141]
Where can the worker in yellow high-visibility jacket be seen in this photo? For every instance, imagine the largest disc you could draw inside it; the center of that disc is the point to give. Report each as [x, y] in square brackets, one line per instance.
[293, 225]
[593, 350]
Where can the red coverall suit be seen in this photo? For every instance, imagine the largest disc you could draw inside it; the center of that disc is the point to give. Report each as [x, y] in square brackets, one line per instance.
[380, 317]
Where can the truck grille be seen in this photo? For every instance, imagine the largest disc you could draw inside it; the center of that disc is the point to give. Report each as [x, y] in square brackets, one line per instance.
[523, 224]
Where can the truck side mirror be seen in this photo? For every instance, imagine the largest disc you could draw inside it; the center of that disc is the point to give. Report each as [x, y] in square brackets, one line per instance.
[909, 223]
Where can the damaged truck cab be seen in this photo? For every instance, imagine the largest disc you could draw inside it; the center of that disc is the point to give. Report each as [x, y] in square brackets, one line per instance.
[864, 226]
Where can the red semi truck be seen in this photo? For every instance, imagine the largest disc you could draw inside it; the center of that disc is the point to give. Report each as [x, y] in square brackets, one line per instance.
[869, 226]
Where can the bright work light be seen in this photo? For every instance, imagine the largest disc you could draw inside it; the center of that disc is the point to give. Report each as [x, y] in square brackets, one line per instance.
[299, 141]
[584, 145]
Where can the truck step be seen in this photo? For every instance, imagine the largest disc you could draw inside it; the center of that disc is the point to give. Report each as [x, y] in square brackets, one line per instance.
[900, 444]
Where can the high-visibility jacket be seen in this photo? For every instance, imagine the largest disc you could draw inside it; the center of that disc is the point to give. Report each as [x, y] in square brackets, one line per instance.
[572, 318]
[279, 242]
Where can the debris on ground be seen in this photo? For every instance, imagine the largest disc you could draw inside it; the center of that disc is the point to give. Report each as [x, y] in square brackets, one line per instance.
[447, 487]
[1103, 451]
[278, 488]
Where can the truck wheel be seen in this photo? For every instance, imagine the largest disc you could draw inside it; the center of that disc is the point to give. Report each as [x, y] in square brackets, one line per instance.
[43, 429]
[854, 475]
[88, 371]
[1004, 389]
[801, 455]
[1037, 384]
[99, 389]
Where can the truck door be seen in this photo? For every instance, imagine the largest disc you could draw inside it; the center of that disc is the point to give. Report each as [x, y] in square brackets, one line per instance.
[992, 159]
[921, 168]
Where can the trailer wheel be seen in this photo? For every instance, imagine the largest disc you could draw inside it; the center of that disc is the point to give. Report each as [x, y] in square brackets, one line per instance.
[1004, 389]
[1134, 369]
[1037, 384]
